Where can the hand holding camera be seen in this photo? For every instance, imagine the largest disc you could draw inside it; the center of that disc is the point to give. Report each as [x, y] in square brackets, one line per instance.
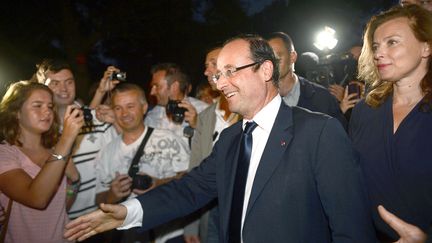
[73, 121]
[179, 111]
[175, 112]
[120, 188]
[86, 111]
[112, 76]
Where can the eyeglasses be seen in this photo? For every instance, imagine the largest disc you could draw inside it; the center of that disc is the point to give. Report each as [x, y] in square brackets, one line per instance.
[229, 73]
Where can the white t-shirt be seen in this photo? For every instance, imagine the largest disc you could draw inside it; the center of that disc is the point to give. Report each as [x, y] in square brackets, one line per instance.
[165, 154]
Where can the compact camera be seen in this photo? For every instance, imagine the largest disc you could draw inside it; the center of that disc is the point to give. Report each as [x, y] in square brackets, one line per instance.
[120, 76]
[88, 117]
[141, 182]
[175, 112]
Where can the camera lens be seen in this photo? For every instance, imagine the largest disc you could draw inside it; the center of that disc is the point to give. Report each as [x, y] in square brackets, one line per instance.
[120, 76]
[174, 112]
[88, 117]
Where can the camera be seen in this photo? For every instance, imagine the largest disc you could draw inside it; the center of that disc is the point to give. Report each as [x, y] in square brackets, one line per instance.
[336, 58]
[88, 117]
[120, 76]
[141, 182]
[322, 74]
[175, 112]
[334, 68]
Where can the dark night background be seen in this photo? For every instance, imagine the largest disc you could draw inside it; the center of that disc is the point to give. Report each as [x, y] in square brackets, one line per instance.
[136, 34]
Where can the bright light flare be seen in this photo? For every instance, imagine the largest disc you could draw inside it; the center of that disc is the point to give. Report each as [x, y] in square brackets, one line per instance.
[326, 40]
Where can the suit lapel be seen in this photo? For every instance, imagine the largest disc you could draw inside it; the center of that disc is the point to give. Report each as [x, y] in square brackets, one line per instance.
[229, 171]
[278, 141]
[210, 128]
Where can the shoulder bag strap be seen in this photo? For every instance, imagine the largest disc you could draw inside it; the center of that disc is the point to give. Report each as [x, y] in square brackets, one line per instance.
[134, 167]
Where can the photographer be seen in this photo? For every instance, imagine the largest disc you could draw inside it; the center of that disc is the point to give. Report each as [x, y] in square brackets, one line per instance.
[35, 162]
[170, 85]
[164, 155]
[58, 76]
[350, 90]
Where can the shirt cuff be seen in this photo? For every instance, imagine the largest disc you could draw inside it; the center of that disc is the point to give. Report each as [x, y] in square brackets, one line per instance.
[134, 214]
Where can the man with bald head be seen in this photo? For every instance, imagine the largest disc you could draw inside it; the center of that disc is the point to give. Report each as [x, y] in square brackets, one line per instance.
[281, 174]
[296, 90]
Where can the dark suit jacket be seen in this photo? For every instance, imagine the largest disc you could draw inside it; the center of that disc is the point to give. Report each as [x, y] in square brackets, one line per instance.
[307, 187]
[315, 97]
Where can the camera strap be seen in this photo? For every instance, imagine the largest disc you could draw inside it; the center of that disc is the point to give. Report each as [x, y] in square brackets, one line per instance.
[134, 167]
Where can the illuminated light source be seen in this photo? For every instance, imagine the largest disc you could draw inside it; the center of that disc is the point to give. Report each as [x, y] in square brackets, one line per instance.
[326, 40]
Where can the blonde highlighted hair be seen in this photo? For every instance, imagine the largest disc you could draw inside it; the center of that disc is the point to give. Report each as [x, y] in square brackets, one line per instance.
[420, 22]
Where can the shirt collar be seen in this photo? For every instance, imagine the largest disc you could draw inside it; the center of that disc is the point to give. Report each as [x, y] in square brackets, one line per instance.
[267, 115]
[293, 95]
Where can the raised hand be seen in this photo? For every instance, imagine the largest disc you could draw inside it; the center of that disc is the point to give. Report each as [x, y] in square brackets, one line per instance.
[105, 113]
[73, 121]
[106, 84]
[348, 101]
[191, 114]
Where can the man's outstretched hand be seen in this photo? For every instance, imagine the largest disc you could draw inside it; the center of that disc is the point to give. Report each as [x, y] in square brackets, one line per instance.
[408, 233]
[109, 216]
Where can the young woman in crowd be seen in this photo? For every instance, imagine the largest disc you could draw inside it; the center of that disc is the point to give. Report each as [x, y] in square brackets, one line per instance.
[34, 162]
[392, 128]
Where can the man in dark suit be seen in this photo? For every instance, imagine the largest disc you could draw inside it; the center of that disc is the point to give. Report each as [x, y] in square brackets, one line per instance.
[301, 184]
[210, 124]
[296, 90]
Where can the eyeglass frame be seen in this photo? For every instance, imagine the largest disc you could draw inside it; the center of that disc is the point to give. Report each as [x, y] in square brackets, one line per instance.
[229, 73]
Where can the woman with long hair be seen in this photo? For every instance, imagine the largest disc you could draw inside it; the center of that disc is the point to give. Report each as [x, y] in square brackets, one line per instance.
[391, 129]
[34, 162]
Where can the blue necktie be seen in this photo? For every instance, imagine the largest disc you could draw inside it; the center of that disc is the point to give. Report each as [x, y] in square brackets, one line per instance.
[240, 183]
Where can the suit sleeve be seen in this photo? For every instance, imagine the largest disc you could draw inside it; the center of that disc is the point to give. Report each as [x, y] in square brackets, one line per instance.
[341, 188]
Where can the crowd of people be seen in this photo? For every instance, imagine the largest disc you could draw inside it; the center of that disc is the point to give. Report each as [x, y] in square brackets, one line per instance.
[260, 155]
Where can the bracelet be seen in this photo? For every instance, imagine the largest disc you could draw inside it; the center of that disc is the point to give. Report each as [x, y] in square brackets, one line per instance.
[57, 157]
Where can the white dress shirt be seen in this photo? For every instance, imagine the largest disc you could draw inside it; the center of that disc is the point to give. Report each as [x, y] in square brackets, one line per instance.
[265, 119]
[221, 123]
